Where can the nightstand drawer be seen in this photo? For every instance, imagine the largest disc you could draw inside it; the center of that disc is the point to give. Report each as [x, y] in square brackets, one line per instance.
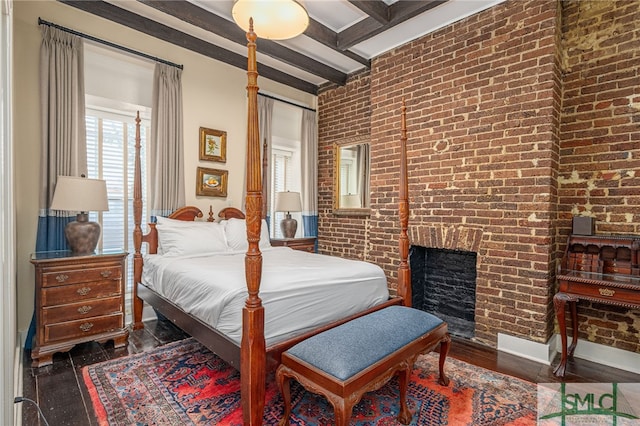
[86, 309]
[82, 327]
[64, 277]
[76, 293]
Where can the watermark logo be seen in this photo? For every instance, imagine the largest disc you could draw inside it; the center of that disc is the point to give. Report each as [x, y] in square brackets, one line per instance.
[568, 404]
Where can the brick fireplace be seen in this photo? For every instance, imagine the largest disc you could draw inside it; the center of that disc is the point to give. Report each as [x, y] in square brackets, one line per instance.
[451, 283]
[443, 283]
[504, 147]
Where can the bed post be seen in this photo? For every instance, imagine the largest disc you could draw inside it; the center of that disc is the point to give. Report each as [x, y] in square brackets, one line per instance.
[252, 347]
[404, 273]
[137, 231]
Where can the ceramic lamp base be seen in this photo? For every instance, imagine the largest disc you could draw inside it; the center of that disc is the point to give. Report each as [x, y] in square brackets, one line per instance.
[82, 235]
[288, 226]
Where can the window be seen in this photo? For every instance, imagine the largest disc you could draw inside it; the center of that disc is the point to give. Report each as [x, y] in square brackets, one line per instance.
[285, 162]
[281, 180]
[117, 85]
[111, 156]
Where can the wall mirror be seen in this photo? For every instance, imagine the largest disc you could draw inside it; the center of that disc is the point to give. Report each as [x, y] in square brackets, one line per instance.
[351, 177]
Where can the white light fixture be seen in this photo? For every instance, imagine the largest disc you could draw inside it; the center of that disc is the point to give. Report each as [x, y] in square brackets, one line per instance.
[272, 19]
[288, 202]
[81, 195]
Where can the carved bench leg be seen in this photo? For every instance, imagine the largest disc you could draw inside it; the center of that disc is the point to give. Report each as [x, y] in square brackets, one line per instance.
[342, 411]
[404, 376]
[444, 351]
[283, 383]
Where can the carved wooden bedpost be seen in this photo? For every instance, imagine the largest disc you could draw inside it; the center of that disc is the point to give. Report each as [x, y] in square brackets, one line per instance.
[404, 273]
[252, 346]
[137, 231]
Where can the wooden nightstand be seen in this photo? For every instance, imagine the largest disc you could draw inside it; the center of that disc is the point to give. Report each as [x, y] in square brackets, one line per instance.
[79, 298]
[303, 244]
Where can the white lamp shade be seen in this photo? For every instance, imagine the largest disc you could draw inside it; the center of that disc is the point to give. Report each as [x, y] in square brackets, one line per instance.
[272, 19]
[288, 202]
[350, 201]
[80, 194]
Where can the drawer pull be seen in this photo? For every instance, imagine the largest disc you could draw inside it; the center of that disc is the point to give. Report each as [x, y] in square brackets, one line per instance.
[84, 291]
[62, 278]
[86, 326]
[106, 274]
[606, 292]
[84, 309]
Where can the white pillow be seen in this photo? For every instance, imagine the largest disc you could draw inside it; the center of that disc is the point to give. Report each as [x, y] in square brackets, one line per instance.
[184, 238]
[236, 234]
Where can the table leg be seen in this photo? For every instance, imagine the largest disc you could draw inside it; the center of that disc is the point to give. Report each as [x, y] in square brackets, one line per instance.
[574, 324]
[559, 302]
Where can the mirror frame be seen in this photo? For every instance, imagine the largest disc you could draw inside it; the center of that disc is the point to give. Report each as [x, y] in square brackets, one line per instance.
[353, 211]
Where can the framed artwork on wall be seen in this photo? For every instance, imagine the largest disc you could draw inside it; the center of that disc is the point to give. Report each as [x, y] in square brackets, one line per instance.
[211, 182]
[213, 145]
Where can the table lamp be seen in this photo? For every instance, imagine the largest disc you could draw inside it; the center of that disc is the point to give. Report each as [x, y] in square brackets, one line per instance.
[82, 195]
[288, 202]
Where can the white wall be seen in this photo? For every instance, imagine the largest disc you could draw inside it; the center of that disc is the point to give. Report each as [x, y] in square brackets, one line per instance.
[214, 96]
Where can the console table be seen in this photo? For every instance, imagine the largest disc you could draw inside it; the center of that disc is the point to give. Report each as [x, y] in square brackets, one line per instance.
[598, 268]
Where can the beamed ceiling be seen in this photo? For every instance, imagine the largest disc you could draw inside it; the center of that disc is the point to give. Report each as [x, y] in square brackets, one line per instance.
[342, 38]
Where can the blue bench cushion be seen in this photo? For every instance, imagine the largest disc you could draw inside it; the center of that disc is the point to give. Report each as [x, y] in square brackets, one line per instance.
[353, 346]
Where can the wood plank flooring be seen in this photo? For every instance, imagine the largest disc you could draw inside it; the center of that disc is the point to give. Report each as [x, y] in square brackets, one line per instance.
[59, 390]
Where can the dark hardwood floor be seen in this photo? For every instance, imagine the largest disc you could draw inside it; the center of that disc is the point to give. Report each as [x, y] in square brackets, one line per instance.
[59, 390]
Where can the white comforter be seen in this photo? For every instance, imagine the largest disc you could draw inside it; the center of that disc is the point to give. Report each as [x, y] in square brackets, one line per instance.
[299, 290]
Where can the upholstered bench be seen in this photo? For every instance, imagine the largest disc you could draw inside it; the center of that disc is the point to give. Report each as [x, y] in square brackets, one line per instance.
[345, 362]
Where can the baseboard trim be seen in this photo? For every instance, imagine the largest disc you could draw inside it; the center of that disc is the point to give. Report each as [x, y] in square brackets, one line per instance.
[18, 383]
[546, 352]
[534, 351]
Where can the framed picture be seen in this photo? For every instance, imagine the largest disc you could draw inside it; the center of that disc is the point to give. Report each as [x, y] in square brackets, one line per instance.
[213, 145]
[211, 182]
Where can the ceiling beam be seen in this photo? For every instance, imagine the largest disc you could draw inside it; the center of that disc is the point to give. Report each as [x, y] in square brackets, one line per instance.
[398, 13]
[377, 10]
[189, 12]
[329, 38]
[178, 38]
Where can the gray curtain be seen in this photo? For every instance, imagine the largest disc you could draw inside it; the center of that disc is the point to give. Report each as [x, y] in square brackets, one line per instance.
[62, 125]
[166, 162]
[309, 190]
[265, 117]
[63, 143]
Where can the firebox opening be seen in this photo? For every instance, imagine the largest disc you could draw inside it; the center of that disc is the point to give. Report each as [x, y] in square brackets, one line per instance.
[443, 283]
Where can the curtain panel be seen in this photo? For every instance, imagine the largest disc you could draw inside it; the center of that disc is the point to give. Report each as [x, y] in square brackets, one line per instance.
[309, 193]
[265, 119]
[166, 157]
[62, 123]
[63, 144]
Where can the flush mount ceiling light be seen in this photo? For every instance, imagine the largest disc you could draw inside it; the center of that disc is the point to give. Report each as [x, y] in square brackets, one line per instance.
[272, 19]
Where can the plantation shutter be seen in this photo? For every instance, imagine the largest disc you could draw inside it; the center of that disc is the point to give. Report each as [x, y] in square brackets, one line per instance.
[281, 181]
[111, 156]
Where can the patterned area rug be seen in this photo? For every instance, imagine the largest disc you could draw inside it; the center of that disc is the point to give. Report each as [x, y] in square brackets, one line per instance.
[183, 383]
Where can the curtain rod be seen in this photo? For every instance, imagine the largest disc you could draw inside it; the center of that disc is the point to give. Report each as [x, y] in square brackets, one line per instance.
[286, 102]
[108, 43]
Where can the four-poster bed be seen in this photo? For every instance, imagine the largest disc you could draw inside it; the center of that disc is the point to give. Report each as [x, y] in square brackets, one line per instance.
[253, 355]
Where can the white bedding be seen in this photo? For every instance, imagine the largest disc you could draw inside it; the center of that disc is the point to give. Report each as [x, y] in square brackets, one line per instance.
[299, 290]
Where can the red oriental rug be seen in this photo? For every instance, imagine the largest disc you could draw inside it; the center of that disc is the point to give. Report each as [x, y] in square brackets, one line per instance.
[183, 383]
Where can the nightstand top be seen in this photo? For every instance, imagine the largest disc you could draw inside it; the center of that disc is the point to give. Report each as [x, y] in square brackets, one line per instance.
[62, 254]
[294, 239]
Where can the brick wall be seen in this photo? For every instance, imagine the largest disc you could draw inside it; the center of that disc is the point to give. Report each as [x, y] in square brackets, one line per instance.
[348, 110]
[600, 140]
[488, 165]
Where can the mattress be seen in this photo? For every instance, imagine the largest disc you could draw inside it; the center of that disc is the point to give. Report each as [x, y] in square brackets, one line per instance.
[300, 291]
